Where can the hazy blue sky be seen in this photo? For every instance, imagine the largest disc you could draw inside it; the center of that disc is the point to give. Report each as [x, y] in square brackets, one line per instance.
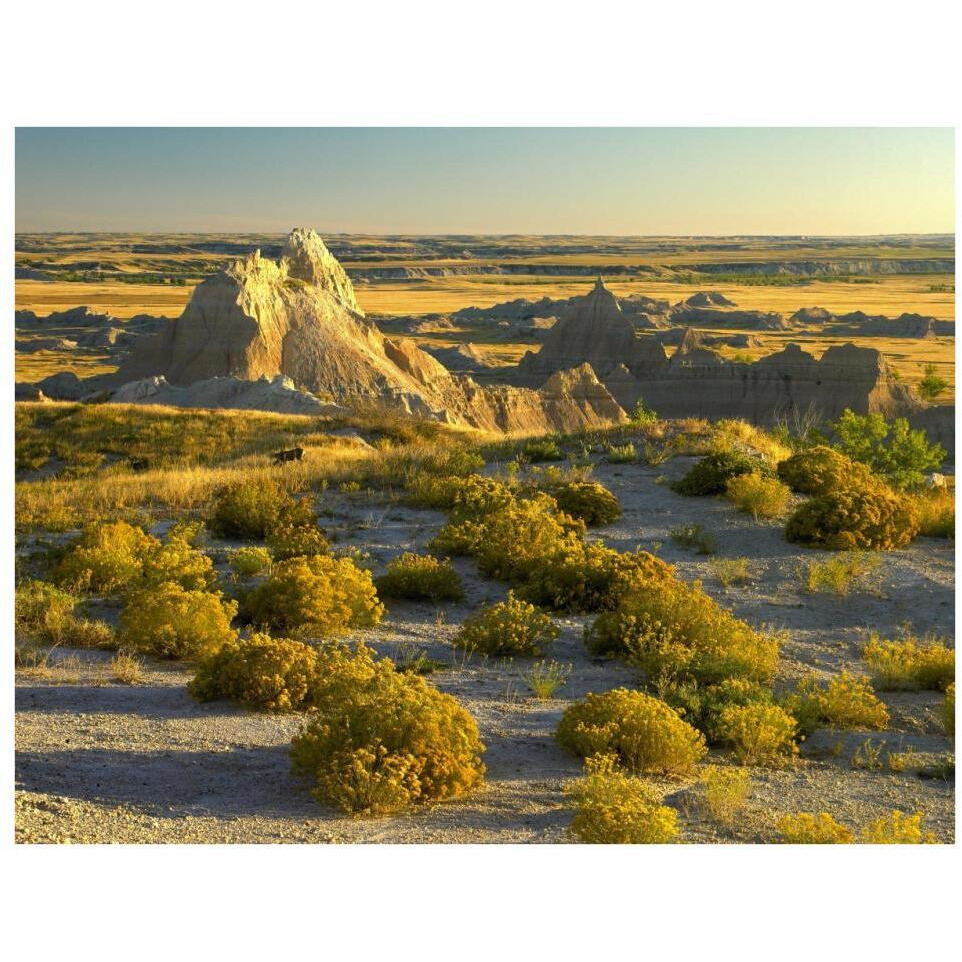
[488, 180]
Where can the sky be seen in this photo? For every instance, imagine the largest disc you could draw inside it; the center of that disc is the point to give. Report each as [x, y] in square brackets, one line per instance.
[529, 180]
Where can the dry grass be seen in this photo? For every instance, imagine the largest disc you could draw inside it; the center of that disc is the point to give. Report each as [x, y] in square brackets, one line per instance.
[126, 669]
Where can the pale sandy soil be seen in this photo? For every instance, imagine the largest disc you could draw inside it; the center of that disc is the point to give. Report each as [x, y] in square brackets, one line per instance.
[103, 762]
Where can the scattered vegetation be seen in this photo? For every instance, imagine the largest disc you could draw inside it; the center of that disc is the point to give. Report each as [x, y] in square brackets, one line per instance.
[948, 711]
[45, 617]
[846, 701]
[723, 792]
[694, 536]
[544, 678]
[380, 740]
[758, 733]
[542, 449]
[712, 473]
[169, 621]
[837, 575]
[910, 664]
[896, 829]
[420, 577]
[317, 596]
[757, 495]
[622, 453]
[644, 733]
[613, 808]
[269, 674]
[806, 829]
[512, 627]
[126, 669]
[733, 571]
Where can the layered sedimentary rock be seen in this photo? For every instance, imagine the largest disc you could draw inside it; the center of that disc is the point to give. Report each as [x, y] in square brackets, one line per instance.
[298, 317]
[697, 381]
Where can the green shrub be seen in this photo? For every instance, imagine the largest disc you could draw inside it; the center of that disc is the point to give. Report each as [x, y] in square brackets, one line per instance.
[420, 577]
[168, 621]
[380, 740]
[931, 385]
[587, 501]
[849, 518]
[543, 449]
[644, 733]
[511, 627]
[247, 510]
[673, 631]
[891, 449]
[910, 664]
[758, 734]
[250, 561]
[315, 596]
[846, 701]
[803, 828]
[837, 575]
[107, 557]
[612, 808]
[702, 705]
[821, 469]
[758, 496]
[270, 674]
[712, 473]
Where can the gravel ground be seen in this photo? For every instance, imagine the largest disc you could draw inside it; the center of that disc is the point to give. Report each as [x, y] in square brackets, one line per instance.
[99, 761]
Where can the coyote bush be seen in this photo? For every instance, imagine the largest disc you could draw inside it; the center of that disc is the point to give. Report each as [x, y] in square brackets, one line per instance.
[315, 596]
[168, 621]
[910, 664]
[380, 740]
[587, 501]
[511, 627]
[107, 556]
[757, 495]
[644, 733]
[270, 674]
[712, 473]
[846, 701]
[848, 518]
[757, 733]
[671, 631]
[804, 828]
[612, 808]
[420, 577]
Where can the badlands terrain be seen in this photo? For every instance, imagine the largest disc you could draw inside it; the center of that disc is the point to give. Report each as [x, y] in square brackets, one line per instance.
[158, 375]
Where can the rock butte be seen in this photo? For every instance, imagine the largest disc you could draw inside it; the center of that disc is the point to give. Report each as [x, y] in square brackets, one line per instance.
[298, 317]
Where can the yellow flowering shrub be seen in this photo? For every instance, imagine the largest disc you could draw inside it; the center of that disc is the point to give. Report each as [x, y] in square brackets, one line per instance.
[46, 615]
[846, 701]
[247, 509]
[723, 792]
[294, 532]
[420, 577]
[250, 561]
[821, 469]
[757, 495]
[910, 664]
[315, 596]
[672, 630]
[177, 561]
[270, 674]
[380, 740]
[897, 829]
[107, 557]
[511, 627]
[644, 733]
[587, 501]
[804, 828]
[168, 621]
[867, 516]
[757, 733]
[612, 808]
